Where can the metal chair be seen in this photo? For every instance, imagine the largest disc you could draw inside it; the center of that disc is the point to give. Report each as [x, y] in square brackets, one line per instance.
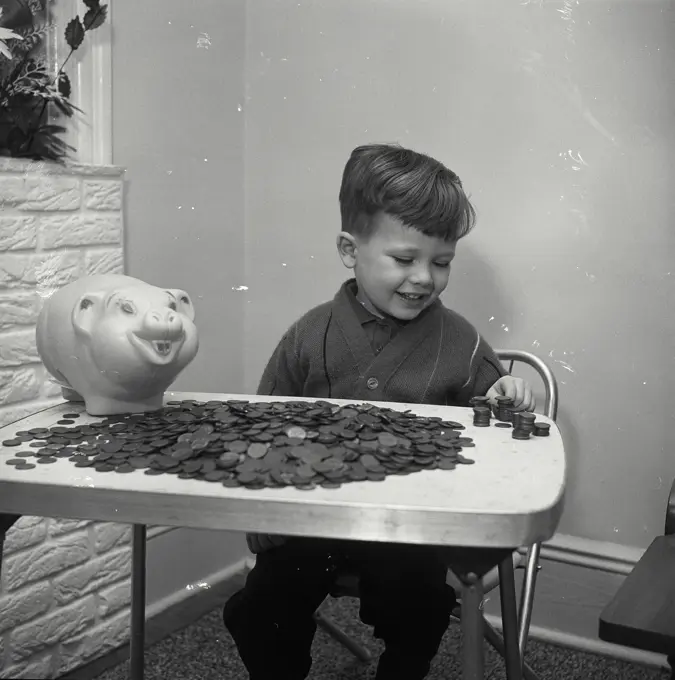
[526, 558]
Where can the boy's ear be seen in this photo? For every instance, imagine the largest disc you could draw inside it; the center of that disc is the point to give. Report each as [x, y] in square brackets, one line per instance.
[346, 245]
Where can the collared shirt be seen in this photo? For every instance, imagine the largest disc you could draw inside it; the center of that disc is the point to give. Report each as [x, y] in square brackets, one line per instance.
[380, 331]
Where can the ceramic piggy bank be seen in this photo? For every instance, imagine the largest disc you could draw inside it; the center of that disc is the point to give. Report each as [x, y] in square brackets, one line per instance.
[116, 342]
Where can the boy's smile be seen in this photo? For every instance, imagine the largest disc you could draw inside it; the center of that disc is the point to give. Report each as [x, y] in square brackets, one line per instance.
[399, 270]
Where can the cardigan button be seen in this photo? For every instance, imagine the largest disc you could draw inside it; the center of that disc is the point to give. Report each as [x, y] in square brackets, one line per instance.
[372, 383]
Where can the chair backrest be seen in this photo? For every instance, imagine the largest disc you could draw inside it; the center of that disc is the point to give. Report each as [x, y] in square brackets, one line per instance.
[544, 371]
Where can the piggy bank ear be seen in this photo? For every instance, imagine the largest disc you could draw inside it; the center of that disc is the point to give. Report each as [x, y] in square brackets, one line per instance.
[183, 303]
[86, 312]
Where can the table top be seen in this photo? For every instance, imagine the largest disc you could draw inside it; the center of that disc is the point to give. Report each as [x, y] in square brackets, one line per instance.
[512, 496]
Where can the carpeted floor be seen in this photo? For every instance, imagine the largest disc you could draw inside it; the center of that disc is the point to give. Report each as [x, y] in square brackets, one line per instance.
[205, 651]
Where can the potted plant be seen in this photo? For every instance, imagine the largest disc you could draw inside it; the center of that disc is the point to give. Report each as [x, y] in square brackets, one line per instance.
[33, 100]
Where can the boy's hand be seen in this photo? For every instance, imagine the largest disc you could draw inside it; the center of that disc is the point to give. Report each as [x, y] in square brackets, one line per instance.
[258, 543]
[517, 389]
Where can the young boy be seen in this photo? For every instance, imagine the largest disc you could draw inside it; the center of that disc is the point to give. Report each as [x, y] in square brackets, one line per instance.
[384, 337]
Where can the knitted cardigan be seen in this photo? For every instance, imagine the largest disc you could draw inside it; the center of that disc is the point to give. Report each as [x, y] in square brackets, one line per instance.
[437, 358]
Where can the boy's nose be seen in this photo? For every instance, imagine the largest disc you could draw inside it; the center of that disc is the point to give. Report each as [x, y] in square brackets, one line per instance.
[421, 277]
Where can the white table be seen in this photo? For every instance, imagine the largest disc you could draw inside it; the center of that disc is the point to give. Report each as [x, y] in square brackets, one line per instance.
[511, 497]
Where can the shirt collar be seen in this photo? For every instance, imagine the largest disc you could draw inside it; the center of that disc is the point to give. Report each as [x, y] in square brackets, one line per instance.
[362, 314]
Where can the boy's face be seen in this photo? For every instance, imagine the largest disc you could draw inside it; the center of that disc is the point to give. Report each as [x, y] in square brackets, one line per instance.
[400, 271]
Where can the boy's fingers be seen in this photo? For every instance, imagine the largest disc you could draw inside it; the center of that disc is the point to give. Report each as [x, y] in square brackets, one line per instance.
[527, 399]
[492, 393]
[510, 389]
[523, 391]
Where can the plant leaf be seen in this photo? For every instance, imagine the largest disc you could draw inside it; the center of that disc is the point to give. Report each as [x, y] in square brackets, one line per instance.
[74, 33]
[91, 4]
[50, 129]
[15, 140]
[64, 85]
[95, 17]
[63, 108]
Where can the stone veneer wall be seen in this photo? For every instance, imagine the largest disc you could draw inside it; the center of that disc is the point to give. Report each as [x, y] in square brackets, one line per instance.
[64, 594]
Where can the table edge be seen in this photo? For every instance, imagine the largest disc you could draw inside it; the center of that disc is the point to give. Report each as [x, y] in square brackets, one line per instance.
[394, 524]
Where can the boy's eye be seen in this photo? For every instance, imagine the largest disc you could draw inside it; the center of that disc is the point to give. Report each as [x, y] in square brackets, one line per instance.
[442, 265]
[403, 260]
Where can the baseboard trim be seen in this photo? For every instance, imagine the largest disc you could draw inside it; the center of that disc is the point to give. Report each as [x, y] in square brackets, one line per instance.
[582, 644]
[591, 554]
[190, 603]
[585, 554]
[171, 614]
[154, 531]
[218, 578]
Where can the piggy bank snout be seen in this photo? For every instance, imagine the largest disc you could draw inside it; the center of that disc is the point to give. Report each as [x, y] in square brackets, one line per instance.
[161, 324]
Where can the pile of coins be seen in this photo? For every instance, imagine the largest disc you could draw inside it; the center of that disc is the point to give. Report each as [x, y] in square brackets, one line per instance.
[503, 409]
[541, 429]
[254, 445]
[481, 411]
[523, 422]
[524, 425]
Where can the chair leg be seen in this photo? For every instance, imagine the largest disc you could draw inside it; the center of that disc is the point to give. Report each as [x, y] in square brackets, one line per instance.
[497, 642]
[360, 652]
[507, 595]
[527, 596]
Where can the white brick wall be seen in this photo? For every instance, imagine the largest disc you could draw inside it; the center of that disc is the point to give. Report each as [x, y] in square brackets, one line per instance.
[65, 592]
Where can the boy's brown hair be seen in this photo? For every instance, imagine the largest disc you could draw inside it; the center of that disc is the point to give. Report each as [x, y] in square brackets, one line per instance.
[413, 187]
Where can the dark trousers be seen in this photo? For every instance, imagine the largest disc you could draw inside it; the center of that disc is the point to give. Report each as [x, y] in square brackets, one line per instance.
[403, 595]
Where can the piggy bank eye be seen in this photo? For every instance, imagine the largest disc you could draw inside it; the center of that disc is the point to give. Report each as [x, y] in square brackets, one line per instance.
[127, 307]
[185, 299]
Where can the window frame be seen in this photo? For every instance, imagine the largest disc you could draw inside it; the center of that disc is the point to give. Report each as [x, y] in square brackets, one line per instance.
[90, 73]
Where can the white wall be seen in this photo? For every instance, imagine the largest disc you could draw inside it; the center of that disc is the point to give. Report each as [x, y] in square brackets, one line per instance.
[178, 131]
[557, 116]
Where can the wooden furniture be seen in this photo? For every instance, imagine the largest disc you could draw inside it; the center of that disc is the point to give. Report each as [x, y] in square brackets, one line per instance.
[512, 496]
[528, 558]
[642, 613]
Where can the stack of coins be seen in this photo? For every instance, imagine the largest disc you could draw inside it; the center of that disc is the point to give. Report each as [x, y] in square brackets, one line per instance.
[479, 401]
[523, 425]
[504, 409]
[481, 416]
[541, 429]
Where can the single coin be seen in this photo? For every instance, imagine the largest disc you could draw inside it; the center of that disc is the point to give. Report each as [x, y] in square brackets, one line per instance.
[257, 450]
